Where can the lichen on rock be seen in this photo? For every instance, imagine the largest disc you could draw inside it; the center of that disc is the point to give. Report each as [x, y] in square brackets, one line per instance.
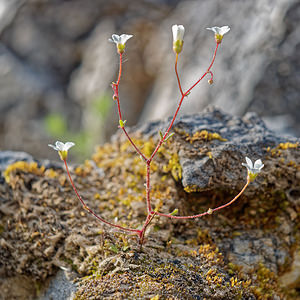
[241, 252]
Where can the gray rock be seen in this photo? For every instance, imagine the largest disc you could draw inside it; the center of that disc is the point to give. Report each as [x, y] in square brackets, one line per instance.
[242, 242]
[247, 136]
[61, 287]
[9, 157]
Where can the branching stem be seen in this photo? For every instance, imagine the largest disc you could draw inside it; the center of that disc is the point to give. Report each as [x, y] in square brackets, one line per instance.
[136, 231]
[150, 213]
[210, 211]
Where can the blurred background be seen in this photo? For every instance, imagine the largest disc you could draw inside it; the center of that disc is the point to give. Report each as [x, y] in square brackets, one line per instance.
[56, 66]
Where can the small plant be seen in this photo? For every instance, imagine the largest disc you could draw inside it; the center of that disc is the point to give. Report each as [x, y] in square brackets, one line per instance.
[120, 41]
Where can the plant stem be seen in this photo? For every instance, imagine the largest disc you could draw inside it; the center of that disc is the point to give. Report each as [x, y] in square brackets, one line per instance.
[149, 218]
[176, 72]
[208, 70]
[116, 91]
[151, 214]
[209, 212]
[179, 105]
[148, 188]
[136, 231]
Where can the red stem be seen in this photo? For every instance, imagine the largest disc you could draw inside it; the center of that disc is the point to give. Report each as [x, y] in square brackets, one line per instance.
[91, 211]
[212, 62]
[149, 218]
[116, 90]
[178, 80]
[179, 105]
[151, 213]
[133, 144]
[207, 212]
[148, 188]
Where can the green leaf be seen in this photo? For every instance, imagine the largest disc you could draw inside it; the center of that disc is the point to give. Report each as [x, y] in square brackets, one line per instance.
[170, 135]
[122, 123]
[174, 212]
[161, 135]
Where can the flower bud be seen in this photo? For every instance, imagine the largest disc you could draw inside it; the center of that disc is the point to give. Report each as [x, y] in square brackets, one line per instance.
[178, 33]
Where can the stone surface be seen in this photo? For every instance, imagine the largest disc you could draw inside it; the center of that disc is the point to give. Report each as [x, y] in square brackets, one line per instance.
[60, 288]
[209, 165]
[248, 249]
[9, 157]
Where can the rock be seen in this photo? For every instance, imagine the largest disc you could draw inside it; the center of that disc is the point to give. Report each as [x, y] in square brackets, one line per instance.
[61, 287]
[292, 277]
[9, 157]
[242, 251]
[211, 162]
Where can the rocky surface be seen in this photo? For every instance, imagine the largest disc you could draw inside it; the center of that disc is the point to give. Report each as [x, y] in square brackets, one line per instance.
[207, 166]
[55, 59]
[248, 250]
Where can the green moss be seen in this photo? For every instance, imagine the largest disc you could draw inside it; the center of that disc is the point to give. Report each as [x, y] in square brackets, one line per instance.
[267, 283]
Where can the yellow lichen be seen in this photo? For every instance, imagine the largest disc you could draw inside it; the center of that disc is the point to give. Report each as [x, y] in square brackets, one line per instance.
[51, 173]
[192, 189]
[85, 169]
[275, 152]
[28, 167]
[174, 167]
[204, 135]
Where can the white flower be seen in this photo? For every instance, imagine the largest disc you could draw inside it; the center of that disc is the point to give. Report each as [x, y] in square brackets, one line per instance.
[178, 33]
[253, 170]
[62, 148]
[219, 32]
[120, 41]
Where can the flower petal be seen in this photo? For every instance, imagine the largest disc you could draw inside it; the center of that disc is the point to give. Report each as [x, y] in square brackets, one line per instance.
[257, 164]
[212, 29]
[249, 162]
[224, 29]
[60, 146]
[116, 38]
[178, 32]
[52, 146]
[174, 31]
[68, 145]
[124, 38]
